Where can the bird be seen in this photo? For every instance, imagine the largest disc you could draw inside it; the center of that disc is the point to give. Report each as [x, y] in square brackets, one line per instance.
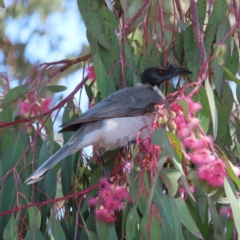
[116, 120]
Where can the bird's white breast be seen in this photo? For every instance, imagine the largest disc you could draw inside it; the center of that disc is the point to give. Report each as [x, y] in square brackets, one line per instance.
[118, 132]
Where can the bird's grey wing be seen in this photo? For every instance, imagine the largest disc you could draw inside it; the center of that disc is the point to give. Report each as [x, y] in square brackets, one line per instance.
[131, 101]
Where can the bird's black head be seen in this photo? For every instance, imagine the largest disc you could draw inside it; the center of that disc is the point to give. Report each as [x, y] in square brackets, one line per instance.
[158, 75]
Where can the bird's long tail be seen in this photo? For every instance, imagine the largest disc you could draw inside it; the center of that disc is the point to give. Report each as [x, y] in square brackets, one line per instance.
[51, 162]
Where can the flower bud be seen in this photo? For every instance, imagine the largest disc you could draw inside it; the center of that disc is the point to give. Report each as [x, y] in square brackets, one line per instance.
[71, 113]
[78, 111]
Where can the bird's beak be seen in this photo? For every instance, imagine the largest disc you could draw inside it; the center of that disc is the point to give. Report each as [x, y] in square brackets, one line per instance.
[174, 72]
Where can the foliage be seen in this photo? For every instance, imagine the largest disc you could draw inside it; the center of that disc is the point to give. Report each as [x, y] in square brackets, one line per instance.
[168, 197]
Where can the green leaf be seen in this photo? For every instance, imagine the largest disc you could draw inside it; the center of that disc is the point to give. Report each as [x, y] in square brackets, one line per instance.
[106, 230]
[169, 213]
[91, 17]
[101, 75]
[110, 57]
[224, 108]
[160, 138]
[34, 234]
[186, 218]
[13, 153]
[233, 198]
[155, 230]
[218, 229]
[184, 105]
[230, 228]
[170, 177]
[7, 201]
[56, 88]
[204, 114]
[56, 229]
[143, 226]
[232, 77]
[201, 9]
[221, 50]
[233, 60]
[215, 19]
[213, 108]
[201, 200]
[11, 230]
[131, 224]
[34, 216]
[49, 189]
[14, 93]
[191, 52]
[178, 47]
[150, 56]
[222, 31]
[175, 144]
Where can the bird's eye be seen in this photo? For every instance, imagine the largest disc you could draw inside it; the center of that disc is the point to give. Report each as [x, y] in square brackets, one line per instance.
[161, 72]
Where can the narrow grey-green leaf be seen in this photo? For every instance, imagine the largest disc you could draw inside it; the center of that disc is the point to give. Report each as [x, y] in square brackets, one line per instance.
[34, 234]
[14, 93]
[233, 198]
[186, 217]
[56, 229]
[213, 108]
[222, 31]
[218, 229]
[91, 18]
[12, 154]
[34, 216]
[56, 88]
[171, 177]
[11, 229]
[224, 107]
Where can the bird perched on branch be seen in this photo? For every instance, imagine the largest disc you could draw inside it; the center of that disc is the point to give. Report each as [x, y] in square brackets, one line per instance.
[115, 121]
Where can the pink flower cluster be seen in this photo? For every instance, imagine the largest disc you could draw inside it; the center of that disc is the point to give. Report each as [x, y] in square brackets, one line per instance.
[110, 199]
[30, 109]
[210, 168]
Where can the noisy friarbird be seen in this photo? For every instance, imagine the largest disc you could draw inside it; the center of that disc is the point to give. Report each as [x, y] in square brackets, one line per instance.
[115, 121]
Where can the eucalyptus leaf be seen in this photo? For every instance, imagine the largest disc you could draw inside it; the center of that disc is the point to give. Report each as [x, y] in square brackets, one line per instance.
[56, 88]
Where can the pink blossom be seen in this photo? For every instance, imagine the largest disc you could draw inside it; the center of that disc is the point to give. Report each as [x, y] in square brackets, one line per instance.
[201, 156]
[36, 109]
[192, 106]
[103, 183]
[120, 193]
[112, 204]
[92, 202]
[183, 132]
[104, 215]
[204, 172]
[191, 142]
[176, 107]
[91, 73]
[128, 167]
[226, 211]
[180, 122]
[46, 103]
[205, 141]
[105, 195]
[218, 166]
[217, 179]
[192, 122]
[24, 109]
